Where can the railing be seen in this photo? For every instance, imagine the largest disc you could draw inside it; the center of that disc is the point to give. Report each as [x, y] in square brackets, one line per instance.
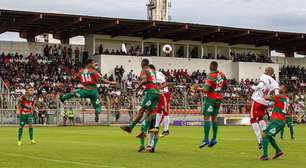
[54, 117]
[86, 116]
[6, 98]
[185, 105]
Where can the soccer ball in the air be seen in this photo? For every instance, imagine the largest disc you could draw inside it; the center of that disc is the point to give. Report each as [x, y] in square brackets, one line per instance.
[167, 49]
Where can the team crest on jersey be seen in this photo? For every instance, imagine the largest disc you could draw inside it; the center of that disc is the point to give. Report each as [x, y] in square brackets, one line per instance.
[210, 109]
[98, 101]
[273, 131]
[148, 103]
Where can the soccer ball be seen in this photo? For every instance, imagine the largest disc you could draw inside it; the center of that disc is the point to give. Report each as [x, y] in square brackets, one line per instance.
[167, 49]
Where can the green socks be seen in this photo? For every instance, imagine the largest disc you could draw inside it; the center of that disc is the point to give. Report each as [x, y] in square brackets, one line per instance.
[265, 144]
[282, 133]
[20, 130]
[142, 140]
[31, 133]
[67, 96]
[274, 144]
[132, 125]
[206, 131]
[144, 129]
[146, 126]
[291, 131]
[155, 141]
[215, 130]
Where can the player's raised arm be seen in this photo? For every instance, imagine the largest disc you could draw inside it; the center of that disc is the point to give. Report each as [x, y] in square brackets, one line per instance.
[225, 82]
[275, 87]
[105, 81]
[270, 98]
[203, 88]
[259, 86]
[290, 109]
[100, 78]
[163, 85]
[143, 79]
[142, 83]
[208, 84]
[76, 77]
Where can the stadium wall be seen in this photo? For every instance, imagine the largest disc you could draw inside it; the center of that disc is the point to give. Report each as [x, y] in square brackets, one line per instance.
[233, 70]
[254, 70]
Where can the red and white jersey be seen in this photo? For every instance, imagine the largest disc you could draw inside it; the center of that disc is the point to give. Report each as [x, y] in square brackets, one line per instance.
[160, 79]
[265, 86]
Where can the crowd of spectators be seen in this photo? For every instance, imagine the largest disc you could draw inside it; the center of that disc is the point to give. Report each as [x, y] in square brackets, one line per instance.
[250, 57]
[182, 76]
[295, 76]
[50, 73]
[136, 51]
[180, 52]
[58, 52]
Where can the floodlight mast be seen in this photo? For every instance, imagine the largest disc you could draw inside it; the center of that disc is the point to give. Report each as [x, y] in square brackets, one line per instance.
[158, 10]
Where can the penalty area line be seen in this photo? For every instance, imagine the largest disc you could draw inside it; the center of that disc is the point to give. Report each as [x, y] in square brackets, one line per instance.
[61, 161]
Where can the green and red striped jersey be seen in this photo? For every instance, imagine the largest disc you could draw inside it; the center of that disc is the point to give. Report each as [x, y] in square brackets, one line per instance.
[214, 83]
[89, 77]
[281, 103]
[25, 104]
[149, 75]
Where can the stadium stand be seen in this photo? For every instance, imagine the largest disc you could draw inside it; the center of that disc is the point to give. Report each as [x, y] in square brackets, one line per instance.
[49, 68]
[295, 76]
[51, 75]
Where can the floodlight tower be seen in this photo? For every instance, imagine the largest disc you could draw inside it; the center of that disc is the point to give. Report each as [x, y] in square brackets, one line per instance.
[159, 10]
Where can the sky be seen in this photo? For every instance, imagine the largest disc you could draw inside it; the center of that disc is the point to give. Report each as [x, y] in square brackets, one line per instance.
[278, 15]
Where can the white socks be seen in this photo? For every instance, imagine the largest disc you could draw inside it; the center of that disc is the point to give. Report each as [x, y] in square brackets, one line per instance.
[166, 122]
[151, 139]
[257, 131]
[159, 117]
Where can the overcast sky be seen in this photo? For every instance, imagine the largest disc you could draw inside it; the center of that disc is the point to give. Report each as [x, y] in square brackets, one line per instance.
[281, 15]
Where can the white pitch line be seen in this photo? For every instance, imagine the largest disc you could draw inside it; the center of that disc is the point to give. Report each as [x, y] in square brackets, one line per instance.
[61, 161]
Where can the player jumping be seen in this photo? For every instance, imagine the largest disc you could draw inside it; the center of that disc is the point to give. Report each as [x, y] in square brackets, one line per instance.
[163, 106]
[161, 112]
[150, 99]
[259, 105]
[89, 77]
[215, 82]
[25, 108]
[277, 122]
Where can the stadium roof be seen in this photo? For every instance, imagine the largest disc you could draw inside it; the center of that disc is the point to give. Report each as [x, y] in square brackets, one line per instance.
[65, 26]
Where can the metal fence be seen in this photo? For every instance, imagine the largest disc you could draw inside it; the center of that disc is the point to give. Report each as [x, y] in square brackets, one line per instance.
[6, 99]
[118, 109]
[86, 116]
[185, 105]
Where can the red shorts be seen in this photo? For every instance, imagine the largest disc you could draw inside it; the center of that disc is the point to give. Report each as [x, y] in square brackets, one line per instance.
[163, 106]
[258, 111]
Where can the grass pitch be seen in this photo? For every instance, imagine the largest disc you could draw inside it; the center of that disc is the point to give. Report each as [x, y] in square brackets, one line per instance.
[109, 147]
